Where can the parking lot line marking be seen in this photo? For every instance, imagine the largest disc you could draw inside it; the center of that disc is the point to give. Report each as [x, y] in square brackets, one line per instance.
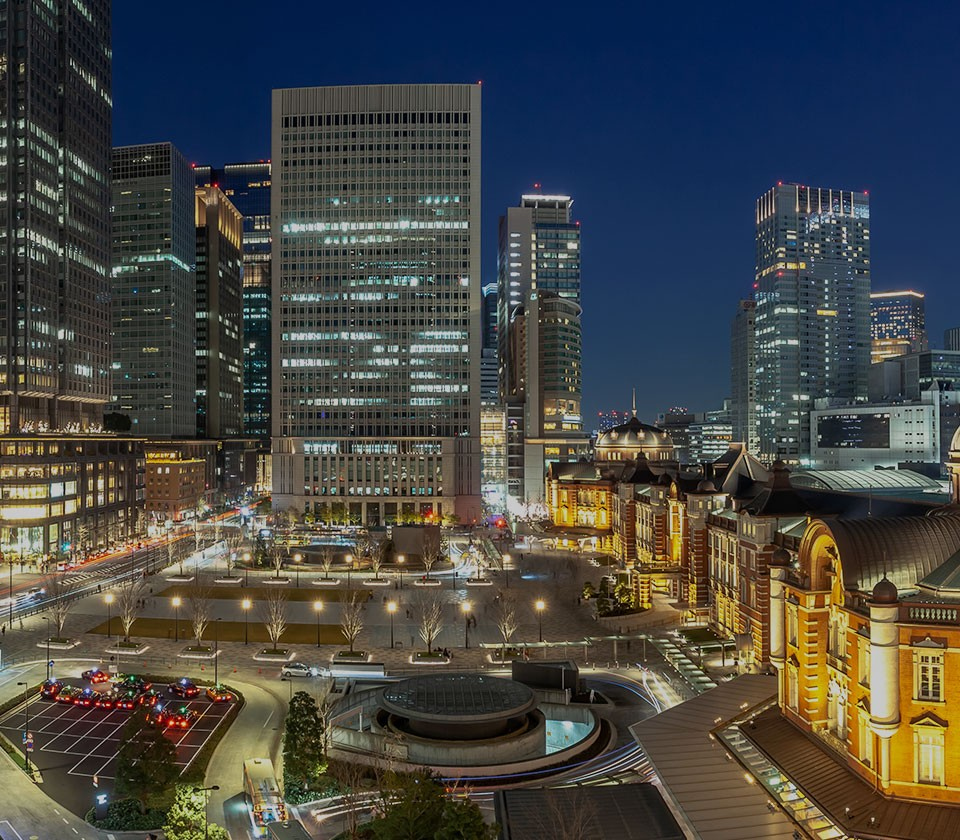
[10, 826]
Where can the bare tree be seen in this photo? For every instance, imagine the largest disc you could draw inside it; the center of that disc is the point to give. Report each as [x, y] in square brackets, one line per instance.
[273, 613]
[196, 530]
[60, 594]
[129, 596]
[428, 612]
[362, 546]
[378, 557]
[234, 544]
[431, 556]
[326, 560]
[351, 616]
[172, 553]
[278, 556]
[350, 776]
[83, 537]
[505, 618]
[568, 815]
[198, 606]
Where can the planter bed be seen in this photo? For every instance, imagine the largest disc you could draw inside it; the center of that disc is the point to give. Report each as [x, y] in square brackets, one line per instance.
[269, 655]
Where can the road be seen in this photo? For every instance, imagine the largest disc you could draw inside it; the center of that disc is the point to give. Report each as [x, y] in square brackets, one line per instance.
[256, 733]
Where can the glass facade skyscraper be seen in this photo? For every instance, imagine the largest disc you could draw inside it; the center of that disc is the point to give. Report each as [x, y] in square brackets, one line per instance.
[743, 375]
[247, 186]
[813, 309]
[154, 295]
[55, 120]
[376, 301]
[898, 324]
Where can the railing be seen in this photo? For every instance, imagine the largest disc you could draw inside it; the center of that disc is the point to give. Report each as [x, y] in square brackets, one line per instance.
[933, 614]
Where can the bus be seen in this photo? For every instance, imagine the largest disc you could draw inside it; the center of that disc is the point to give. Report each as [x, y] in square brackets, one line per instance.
[262, 792]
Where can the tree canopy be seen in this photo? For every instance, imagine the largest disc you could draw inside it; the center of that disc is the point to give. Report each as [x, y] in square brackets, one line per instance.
[146, 761]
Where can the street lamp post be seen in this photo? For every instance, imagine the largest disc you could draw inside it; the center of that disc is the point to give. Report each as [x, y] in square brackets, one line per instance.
[466, 607]
[206, 801]
[318, 608]
[297, 560]
[349, 568]
[216, 653]
[540, 607]
[246, 568]
[391, 608]
[400, 561]
[246, 603]
[26, 728]
[10, 593]
[109, 599]
[506, 569]
[47, 619]
[176, 621]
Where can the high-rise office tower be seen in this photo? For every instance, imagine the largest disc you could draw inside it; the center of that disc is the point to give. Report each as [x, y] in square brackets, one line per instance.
[538, 323]
[743, 364]
[813, 309]
[898, 324]
[54, 194]
[247, 185]
[64, 486]
[376, 301]
[951, 338]
[154, 251]
[219, 314]
[489, 365]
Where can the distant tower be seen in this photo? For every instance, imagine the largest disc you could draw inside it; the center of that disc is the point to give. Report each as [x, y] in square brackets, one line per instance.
[743, 382]
[813, 309]
[154, 295]
[951, 339]
[897, 324]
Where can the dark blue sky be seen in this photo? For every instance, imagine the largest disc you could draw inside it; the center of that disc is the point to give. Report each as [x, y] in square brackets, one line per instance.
[665, 122]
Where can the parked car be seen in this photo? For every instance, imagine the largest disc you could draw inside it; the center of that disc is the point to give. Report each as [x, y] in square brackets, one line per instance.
[298, 669]
[131, 682]
[107, 700]
[68, 694]
[218, 694]
[172, 717]
[184, 687]
[150, 698]
[87, 697]
[96, 675]
[51, 688]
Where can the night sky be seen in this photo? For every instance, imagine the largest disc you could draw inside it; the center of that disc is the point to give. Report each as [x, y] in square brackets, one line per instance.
[664, 121]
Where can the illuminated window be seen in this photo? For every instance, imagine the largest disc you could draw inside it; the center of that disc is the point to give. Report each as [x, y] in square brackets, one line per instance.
[928, 755]
[928, 676]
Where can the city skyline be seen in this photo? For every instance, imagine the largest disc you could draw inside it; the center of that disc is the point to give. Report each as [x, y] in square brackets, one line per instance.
[686, 98]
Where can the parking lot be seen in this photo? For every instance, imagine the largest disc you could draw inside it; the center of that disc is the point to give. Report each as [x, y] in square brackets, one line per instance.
[71, 742]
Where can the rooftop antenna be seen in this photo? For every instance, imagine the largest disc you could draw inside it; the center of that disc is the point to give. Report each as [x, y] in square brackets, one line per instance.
[634, 409]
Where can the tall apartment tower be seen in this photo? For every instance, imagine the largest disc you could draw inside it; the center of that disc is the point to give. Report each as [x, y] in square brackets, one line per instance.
[247, 185]
[55, 118]
[376, 302]
[538, 320]
[219, 315]
[743, 364]
[154, 252]
[64, 487]
[813, 309]
[898, 324]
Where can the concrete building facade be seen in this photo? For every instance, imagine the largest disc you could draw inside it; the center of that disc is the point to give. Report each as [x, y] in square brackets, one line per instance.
[376, 301]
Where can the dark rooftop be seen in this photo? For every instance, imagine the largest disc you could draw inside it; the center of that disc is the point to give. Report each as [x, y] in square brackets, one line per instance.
[625, 812]
[823, 776]
[451, 696]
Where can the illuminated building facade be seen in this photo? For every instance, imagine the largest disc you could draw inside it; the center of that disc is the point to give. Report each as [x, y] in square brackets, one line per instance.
[219, 315]
[493, 458]
[865, 644]
[154, 299]
[66, 494]
[64, 487]
[898, 324]
[176, 481]
[247, 186]
[743, 375]
[813, 309]
[55, 118]
[376, 301]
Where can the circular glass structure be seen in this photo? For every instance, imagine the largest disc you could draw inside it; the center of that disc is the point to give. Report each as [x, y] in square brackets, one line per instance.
[458, 706]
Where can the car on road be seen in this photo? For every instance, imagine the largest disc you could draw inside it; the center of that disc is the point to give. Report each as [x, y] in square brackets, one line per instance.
[51, 688]
[87, 697]
[96, 675]
[218, 694]
[68, 694]
[184, 688]
[131, 682]
[298, 669]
